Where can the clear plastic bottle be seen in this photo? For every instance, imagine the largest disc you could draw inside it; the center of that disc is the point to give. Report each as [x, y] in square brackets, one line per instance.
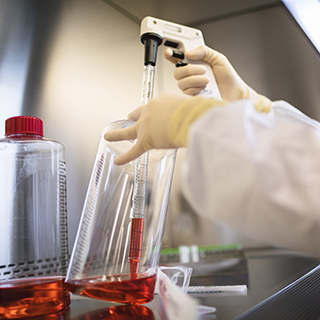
[110, 237]
[33, 228]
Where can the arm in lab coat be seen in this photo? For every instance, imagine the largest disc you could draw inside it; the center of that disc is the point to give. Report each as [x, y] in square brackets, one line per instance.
[258, 173]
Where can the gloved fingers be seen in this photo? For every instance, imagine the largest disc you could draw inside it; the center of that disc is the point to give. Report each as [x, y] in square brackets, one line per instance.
[135, 114]
[129, 133]
[189, 70]
[213, 57]
[193, 91]
[168, 55]
[136, 151]
[198, 53]
[193, 82]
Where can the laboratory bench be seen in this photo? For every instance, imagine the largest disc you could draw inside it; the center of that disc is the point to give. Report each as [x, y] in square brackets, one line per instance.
[280, 285]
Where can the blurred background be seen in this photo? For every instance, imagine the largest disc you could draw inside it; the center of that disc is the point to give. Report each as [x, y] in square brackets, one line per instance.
[77, 64]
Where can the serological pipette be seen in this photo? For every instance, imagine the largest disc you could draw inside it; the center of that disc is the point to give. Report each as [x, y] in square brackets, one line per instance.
[151, 43]
[153, 33]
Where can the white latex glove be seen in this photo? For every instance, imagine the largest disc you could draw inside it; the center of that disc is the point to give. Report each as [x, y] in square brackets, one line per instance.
[191, 78]
[151, 129]
[163, 123]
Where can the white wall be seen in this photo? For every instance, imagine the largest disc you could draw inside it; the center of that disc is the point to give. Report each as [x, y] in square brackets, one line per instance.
[93, 76]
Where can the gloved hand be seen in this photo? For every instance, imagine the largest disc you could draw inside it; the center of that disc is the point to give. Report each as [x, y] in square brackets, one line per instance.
[163, 123]
[191, 78]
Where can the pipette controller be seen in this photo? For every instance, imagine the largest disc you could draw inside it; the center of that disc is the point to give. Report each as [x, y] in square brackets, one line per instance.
[182, 39]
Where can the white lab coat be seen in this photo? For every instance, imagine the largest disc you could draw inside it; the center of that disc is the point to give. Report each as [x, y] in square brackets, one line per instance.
[258, 173]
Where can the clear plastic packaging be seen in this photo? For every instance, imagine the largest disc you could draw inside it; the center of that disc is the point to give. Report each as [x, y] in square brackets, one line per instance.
[179, 275]
[33, 228]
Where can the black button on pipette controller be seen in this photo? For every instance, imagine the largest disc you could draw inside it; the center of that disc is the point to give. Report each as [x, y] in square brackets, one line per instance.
[179, 55]
[180, 64]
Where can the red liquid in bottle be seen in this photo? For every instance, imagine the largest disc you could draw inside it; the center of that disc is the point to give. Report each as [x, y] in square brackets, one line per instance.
[117, 288]
[33, 297]
[123, 312]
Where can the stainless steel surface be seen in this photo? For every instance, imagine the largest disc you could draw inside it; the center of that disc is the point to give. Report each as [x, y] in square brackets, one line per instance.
[67, 63]
[298, 300]
[26, 30]
[269, 271]
[188, 12]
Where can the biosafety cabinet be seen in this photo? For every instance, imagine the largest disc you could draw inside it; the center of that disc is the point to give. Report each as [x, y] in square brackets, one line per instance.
[78, 66]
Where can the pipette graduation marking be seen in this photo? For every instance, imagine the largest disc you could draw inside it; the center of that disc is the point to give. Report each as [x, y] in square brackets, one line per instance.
[151, 43]
[137, 213]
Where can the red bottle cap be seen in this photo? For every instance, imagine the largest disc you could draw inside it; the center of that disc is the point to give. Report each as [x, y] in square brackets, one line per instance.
[24, 125]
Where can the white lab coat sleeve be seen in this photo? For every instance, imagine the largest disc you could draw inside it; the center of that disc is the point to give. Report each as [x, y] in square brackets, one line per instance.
[258, 173]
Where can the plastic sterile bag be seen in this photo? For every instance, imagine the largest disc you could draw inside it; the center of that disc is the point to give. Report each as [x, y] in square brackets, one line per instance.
[172, 286]
[179, 275]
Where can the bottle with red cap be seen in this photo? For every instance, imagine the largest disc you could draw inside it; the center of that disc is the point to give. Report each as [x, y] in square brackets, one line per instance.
[33, 221]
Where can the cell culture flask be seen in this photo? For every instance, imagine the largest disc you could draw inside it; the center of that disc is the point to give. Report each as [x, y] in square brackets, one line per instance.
[33, 228]
[116, 252]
